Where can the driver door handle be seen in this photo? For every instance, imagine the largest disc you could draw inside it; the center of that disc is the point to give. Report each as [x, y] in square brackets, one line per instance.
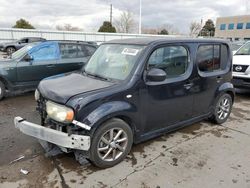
[188, 85]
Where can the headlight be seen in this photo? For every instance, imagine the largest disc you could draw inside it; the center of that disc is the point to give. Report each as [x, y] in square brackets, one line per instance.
[59, 112]
[37, 95]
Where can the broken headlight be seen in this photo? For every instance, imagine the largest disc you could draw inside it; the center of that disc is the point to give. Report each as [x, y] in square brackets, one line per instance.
[59, 112]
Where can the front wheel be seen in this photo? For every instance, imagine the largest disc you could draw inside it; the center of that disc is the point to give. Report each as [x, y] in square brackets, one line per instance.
[222, 109]
[111, 143]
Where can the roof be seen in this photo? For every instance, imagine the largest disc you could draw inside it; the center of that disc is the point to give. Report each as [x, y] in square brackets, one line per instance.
[151, 40]
[73, 41]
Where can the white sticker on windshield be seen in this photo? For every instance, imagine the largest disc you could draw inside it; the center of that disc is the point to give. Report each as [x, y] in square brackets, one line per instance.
[130, 51]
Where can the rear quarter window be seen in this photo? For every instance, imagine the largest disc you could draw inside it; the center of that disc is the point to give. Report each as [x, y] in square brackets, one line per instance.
[90, 49]
[212, 57]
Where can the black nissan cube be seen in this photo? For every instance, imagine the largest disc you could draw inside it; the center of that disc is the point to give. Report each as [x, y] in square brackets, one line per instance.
[130, 91]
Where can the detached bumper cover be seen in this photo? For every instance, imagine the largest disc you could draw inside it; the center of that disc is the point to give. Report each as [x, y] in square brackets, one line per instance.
[73, 141]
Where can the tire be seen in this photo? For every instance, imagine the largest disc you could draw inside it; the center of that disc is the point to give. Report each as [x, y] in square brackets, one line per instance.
[2, 90]
[104, 152]
[10, 50]
[222, 108]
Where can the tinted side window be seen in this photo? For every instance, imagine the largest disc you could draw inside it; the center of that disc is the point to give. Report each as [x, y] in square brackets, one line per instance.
[48, 52]
[82, 52]
[212, 57]
[171, 59]
[90, 50]
[68, 51]
[72, 51]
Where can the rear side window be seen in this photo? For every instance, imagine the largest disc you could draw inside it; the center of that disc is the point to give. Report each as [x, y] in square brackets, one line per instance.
[90, 50]
[212, 58]
[171, 59]
[72, 51]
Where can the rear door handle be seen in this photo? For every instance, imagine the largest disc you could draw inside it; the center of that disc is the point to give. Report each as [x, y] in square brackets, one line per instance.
[188, 85]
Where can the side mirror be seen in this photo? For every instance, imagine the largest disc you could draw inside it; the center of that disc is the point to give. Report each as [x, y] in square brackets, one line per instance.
[28, 58]
[156, 75]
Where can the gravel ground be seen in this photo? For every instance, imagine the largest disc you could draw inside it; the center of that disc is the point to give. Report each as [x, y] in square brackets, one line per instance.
[201, 155]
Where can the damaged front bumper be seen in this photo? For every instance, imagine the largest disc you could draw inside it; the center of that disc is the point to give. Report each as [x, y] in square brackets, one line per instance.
[70, 141]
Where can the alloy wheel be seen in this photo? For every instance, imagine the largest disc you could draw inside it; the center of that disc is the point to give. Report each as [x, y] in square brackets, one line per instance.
[223, 108]
[112, 144]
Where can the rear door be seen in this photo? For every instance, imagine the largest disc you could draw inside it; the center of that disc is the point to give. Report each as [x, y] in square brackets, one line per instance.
[213, 70]
[45, 57]
[73, 57]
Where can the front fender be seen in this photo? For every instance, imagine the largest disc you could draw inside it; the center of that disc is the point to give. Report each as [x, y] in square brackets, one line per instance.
[106, 111]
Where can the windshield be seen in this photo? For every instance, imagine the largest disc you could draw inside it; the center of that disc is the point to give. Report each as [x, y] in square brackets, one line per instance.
[113, 61]
[236, 46]
[20, 53]
[244, 50]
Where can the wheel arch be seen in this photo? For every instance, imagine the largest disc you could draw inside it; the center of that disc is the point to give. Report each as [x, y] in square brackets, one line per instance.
[4, 81]
[226, 88]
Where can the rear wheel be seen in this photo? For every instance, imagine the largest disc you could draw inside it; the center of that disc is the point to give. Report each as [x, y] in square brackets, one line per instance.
[2, 90]
[223, 108]
[10, 50]
[111, 143]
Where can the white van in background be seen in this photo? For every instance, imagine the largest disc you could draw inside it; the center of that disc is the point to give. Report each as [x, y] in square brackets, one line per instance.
[241, 67]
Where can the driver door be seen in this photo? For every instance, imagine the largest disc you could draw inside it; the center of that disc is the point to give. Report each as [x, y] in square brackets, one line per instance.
[41, 65]
[170, 101]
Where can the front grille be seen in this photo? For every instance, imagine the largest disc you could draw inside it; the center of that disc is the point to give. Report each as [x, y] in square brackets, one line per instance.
[240, 68]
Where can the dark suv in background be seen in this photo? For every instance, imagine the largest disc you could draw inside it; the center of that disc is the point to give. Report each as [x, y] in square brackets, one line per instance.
[130, 91]
[36, 61]
[11, 47]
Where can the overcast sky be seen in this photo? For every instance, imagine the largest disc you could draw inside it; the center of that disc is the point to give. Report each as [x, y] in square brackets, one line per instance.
[89, 14]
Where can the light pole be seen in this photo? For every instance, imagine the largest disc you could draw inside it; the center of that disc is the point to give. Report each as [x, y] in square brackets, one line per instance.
[140, 19]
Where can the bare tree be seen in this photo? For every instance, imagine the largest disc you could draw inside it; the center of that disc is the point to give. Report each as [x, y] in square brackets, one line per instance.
[125, 23]
[67, 27]
[195, 28]
[172, 30]
[152, 31]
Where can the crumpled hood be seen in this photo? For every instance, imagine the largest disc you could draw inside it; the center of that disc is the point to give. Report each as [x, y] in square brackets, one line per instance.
[61, 88]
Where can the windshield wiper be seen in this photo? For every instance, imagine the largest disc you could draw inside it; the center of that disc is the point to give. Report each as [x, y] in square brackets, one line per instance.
[97, 76]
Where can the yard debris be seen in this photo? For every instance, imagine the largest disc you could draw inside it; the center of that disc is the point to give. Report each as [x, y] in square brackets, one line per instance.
[24, 171]
[18, 159]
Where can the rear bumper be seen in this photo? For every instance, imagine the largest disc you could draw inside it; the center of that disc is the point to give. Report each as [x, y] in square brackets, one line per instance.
[239, 82]
[73, 141]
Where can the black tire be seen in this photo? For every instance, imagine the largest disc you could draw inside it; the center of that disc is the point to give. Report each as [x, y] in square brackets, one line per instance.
[221, 113]
[2, 90]
[10, 50]
[115, 125]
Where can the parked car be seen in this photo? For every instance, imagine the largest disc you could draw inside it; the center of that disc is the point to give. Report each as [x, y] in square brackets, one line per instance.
[11, 47]
[241, 67]
[236, 45]
[36, 61]
[130, 91]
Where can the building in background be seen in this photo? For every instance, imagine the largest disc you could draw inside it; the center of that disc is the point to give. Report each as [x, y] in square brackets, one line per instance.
[233, 28]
